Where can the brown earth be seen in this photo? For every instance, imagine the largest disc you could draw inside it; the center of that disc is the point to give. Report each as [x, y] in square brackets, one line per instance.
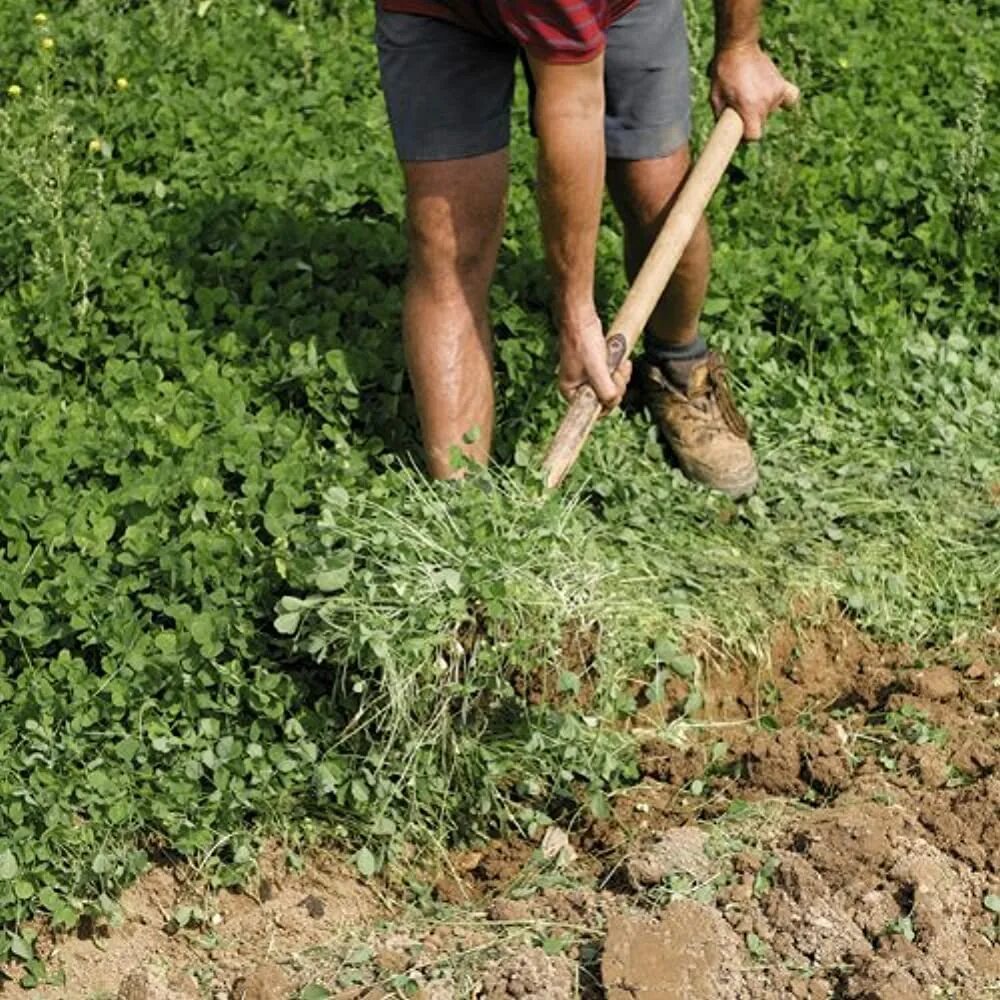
[236, 949]
[829, 828]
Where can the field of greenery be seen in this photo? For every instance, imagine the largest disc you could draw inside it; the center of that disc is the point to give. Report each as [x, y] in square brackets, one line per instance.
[231, 605]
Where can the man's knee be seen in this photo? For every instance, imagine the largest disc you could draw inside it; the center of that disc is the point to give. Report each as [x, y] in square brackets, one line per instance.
[643, 190]
[455, 213]
[447, 256]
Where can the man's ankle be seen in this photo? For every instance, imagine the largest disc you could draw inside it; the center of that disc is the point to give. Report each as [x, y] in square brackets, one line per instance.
[677, 361]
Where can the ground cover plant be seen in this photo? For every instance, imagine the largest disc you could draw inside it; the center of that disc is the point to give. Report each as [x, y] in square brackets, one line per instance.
[228, 603]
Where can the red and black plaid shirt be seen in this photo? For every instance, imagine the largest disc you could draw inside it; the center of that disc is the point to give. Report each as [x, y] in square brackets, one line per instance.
[559, 31]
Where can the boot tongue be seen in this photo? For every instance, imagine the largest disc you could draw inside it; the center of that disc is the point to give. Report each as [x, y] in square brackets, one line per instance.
[697, 380]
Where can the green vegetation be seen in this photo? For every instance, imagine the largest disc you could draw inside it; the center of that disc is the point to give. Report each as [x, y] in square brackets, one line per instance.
[227, 602]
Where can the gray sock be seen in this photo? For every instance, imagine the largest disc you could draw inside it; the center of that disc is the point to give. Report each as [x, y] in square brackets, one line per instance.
[677, 362]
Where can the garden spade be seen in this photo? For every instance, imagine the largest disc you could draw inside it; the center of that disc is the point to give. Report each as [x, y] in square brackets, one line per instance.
[647, 288]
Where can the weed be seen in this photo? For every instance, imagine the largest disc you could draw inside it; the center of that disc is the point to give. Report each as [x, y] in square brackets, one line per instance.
[903, 926]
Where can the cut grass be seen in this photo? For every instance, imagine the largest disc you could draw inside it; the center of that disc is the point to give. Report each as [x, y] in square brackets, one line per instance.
[456, 592]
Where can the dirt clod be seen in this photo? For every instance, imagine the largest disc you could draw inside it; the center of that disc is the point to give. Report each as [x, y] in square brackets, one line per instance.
[143, 984]
[510, 910]
[938, 683]
[687, 951]
[266, 982]
[452, 890]
[883, 980]
[314, 906]
[529, 974]
[678, 851]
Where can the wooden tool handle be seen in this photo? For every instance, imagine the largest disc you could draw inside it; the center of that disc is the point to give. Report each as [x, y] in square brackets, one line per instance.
[647, 288]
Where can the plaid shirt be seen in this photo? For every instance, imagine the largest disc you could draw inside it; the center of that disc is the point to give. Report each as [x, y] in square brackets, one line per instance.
[558, 31]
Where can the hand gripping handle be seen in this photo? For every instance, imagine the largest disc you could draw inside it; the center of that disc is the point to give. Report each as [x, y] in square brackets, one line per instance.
[647, 288]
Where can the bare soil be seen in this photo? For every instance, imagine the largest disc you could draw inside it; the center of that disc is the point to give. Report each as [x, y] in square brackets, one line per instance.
[242, 946]
[829, 828]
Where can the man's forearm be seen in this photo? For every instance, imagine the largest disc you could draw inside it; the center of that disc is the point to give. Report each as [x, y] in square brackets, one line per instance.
[737, 23]
[569, 119]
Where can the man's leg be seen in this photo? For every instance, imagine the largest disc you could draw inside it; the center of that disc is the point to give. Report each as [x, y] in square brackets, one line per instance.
[455, 217]
[643, 192]
[448, 93]
[647, 127]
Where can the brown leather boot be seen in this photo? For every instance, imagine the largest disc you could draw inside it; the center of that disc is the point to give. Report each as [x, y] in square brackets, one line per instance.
[702, 426]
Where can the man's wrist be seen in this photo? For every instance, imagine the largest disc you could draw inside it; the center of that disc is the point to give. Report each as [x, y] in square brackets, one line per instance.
[737, 25]
[575, 315]
[725, 53]
[727, 46]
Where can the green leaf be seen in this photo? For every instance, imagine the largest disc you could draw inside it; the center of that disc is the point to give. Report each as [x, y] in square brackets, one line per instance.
[569, 683]
[384, 826]
[314, 991]
[49, 898]
[716, 306]
[598, 804]
[361, 955]
[684, 666]
[693, 702]
[327, 780]
[333, 579]
[287, 623]
[8, 866]
[127, 748]
[365, 862]
[755, 945]
[359, 791]
[22, 947]
[992, 902]
[554, 945]
[65, 915]
[202, 629]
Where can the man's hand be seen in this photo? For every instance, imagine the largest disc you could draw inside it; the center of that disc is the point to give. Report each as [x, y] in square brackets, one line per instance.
[583, 360]
[744, 78]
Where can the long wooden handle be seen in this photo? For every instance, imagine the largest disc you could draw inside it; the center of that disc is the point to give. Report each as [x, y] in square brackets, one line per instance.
[647, 288]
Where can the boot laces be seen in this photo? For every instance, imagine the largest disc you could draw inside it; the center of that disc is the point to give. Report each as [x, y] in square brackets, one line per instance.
[716, 386]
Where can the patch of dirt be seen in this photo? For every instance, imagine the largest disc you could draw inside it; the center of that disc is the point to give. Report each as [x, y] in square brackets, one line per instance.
[830, 829]
[266, 982]
[882, 766]
[529, 974]
[681, 851]
[858, 788]
[235, 952]
[686, 950]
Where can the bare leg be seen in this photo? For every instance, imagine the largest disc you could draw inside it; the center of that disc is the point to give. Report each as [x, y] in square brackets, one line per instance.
[643, 192]
[686, 392]
[455, 216]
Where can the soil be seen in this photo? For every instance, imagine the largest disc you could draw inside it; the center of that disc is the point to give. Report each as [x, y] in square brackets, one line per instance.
[829, 828]
[241, 950]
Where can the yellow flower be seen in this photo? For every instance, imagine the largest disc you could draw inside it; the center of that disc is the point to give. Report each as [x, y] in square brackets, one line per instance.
[94, 146]
[121, 83]
[14, 90]
[41, 18]
[48, 43]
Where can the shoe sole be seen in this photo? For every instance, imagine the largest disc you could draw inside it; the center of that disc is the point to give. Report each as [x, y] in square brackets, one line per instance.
[736, 489]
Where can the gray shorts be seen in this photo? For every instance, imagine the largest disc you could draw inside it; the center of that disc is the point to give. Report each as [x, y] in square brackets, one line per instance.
[448, 90]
